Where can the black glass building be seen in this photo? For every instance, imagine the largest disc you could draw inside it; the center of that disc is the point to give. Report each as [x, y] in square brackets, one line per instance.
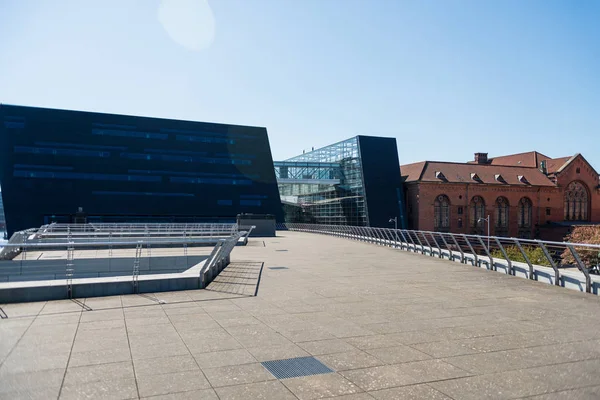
[121, 168]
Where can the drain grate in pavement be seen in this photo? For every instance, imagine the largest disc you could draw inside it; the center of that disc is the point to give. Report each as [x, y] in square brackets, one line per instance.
[278, 267]
[295, 367]
[281, 250]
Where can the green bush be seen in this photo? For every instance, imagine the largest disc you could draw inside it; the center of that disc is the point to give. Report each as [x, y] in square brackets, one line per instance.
[535, 255]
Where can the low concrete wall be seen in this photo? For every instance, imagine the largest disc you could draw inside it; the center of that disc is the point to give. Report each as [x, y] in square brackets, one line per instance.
[30, 270]
[56, 289]
[263, 227]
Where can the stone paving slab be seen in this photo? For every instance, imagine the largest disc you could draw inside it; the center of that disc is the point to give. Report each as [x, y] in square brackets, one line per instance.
[390, 324]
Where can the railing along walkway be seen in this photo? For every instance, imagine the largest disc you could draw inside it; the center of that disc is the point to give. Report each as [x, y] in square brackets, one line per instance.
[534, 259]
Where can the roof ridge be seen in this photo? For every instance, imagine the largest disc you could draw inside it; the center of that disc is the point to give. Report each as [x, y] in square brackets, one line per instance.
[413, 163]
[483, 165]
[461, 173]
[518, 154]
[542, 154]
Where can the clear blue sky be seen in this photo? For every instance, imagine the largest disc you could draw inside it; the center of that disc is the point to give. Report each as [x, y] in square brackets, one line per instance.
[446, 78]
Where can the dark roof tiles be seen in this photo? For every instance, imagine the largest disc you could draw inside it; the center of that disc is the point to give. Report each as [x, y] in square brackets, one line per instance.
[530, 159]
[412, 172]
[461, 173]
[555, 164]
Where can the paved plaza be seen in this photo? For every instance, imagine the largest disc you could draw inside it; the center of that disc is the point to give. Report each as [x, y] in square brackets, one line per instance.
[389, 324]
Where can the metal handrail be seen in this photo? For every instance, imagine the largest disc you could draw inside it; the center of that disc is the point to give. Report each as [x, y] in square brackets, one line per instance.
[473, 248]
[114, 228]
[84, 235]
[54, 245]
[219, 258]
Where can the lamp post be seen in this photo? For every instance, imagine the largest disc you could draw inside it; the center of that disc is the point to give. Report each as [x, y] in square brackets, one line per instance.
[488, 229]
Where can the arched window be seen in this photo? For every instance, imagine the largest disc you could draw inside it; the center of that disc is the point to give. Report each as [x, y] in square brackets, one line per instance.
[476, 212]
[441, 213]
[501, 216]
[524, 215]
[576, 202]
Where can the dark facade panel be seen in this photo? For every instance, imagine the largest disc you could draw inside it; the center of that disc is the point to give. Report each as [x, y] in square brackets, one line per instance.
[382, 181]
[124, 168]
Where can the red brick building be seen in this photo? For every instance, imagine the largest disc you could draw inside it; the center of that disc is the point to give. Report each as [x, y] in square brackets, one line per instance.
[526, 195]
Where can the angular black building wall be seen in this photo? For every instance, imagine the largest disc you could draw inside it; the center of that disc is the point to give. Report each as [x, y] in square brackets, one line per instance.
[130, 169]
[383, 184]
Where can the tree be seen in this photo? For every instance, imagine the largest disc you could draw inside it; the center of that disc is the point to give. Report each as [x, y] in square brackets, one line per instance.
[584, 234]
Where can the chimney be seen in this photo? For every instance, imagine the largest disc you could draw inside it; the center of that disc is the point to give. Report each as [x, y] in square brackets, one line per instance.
[544, 167]
[481, 158]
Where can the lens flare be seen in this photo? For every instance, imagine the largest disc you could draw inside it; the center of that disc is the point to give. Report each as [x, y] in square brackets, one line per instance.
[189, 23]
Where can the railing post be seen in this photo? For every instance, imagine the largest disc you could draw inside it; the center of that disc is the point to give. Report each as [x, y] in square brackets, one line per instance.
[552, 263]
[511, 271]
[396, 231]
[487, 251]
[367, 235]
[360, 236]
[532, 274]
[207, 264]
[475, 256]
[462, 254]
[110, 245]
[389, 236]
[450, 252]
[24, 251]
[371, 235]
[436, 245]
[136, 267]
[414, 248]
[428, 244]
[420, 243]
[379, 233]
[582, 268]
[70, 269]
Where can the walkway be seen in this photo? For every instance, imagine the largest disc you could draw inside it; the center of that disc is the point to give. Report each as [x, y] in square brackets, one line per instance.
[390, 324]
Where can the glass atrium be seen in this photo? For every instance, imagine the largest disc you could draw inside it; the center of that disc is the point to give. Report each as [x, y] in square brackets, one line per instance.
[324, 186]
